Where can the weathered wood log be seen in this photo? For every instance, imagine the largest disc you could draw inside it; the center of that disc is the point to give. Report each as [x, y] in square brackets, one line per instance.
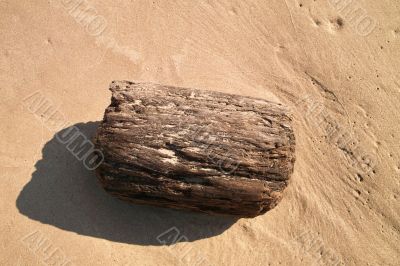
[197, 150]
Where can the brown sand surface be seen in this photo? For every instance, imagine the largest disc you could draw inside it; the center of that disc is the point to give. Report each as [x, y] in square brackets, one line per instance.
[335, 63]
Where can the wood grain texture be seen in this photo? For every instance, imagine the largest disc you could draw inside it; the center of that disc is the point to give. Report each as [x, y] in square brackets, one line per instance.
[195, 150]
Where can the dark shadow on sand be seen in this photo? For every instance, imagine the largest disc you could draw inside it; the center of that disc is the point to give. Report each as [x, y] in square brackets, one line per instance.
[63, 193]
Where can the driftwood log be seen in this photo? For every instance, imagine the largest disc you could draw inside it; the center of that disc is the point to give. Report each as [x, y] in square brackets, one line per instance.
[196, 150]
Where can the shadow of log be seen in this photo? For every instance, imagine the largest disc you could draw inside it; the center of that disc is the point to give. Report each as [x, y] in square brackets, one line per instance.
[63, 193]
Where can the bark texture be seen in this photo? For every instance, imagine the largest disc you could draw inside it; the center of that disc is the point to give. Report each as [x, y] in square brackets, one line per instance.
[196, 150]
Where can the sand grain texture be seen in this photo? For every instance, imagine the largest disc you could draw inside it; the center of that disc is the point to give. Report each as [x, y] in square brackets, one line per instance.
[339, 78]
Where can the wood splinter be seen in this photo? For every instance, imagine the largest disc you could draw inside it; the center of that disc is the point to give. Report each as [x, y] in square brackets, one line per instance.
[196, 150]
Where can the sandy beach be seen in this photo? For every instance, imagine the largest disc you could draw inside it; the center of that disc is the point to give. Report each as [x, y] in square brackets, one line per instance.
[334, 63]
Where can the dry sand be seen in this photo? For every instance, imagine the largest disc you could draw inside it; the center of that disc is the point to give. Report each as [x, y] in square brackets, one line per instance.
[336, 65]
